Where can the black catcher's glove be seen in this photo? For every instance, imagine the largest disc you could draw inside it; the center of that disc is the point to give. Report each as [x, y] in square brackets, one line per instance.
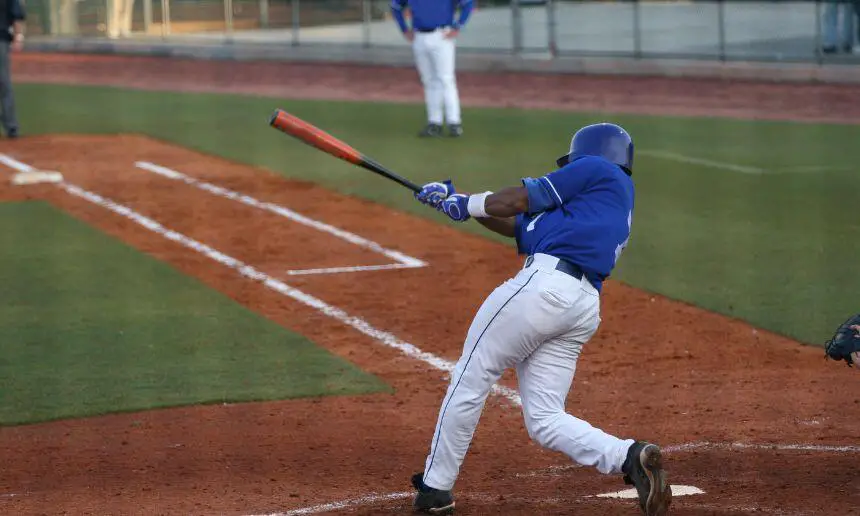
[845, 341]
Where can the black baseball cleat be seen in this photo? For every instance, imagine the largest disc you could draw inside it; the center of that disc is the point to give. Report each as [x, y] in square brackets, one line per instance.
[431, 130]
[429, 500]
[643, 469]
[455, 130]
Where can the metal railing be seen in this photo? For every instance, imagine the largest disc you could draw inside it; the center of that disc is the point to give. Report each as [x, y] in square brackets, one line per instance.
[707, 29]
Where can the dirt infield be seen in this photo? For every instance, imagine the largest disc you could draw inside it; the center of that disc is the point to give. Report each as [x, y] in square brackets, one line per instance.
[728, 401]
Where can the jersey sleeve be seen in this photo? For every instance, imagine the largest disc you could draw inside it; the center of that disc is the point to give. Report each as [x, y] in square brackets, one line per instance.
[465, 11]
[540, 196]
[555, 189]
[569, 181]
[397, 13]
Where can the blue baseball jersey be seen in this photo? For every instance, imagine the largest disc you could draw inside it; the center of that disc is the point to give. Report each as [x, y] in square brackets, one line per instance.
[581, 213]
[431, 14]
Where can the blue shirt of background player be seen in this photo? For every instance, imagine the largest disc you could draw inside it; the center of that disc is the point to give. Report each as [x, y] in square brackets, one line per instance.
[581, 213]
[431, 14]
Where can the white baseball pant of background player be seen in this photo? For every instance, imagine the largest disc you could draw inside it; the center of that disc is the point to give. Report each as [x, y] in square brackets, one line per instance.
[435, 60]
[536, 321]
[119, 18]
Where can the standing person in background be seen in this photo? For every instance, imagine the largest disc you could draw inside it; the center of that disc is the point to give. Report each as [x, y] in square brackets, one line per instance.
[13, 39]
[119, 18]
[857, 23]
[834, 40]
[433, 33]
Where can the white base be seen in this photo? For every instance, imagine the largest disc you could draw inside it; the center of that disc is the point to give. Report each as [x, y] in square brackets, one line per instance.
[36, 176]
[631, 494]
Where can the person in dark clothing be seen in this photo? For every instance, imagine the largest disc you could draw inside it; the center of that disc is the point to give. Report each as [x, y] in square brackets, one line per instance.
[835, 40]
[12, 38]
[857, 22]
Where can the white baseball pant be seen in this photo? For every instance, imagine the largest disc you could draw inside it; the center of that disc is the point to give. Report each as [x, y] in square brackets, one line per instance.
[120, 14]
[434, 58]
[536, 321]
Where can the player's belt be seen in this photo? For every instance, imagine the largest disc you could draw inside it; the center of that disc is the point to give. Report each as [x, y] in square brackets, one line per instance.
[571, 269]
[434, 29]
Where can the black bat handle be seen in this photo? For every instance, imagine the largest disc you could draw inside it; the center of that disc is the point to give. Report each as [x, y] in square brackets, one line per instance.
[373, 166]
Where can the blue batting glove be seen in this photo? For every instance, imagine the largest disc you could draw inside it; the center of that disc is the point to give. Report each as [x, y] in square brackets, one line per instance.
[456, 207]
[434, 193]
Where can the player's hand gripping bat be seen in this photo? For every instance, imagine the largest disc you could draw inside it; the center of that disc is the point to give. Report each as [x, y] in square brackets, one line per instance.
[316, 137]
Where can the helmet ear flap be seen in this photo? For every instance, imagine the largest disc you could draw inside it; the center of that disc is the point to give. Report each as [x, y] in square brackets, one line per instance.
[562, 161]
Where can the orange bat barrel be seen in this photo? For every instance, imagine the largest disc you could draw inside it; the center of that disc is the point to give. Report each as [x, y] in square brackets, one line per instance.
[312, 135]
[316, 137]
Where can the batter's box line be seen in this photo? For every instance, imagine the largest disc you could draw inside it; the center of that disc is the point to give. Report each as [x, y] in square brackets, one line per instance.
[706, 445]
[357, 268]
[361, 501]
[403, 261]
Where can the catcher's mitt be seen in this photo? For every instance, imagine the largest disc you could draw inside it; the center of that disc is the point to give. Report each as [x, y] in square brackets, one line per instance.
[845, 343]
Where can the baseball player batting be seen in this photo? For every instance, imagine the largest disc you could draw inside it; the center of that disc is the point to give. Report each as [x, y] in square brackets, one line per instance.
[432, 35]
[573, 225]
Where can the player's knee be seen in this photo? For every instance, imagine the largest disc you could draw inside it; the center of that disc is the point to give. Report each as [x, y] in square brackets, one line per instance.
[448, 80]
[540, 424]
[476, 387]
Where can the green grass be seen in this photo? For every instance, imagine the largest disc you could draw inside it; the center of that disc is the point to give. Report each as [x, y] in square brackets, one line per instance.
[779, 250]
[92, 326]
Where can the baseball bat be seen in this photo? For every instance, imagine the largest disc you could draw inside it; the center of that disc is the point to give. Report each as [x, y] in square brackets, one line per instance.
[316, 137]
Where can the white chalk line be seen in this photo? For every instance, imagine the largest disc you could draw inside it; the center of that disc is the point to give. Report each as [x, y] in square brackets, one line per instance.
[403, 260]
[15, 164]
[812, 169]
[359, 268]
[343, 504]
[821, 448]
[278, 286]
[701, 161]
[743, 169]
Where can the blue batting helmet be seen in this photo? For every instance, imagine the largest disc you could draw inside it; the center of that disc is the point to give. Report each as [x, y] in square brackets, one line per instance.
[608, 141]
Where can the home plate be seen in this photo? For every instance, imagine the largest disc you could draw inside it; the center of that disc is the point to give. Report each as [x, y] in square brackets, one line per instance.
[631, 493]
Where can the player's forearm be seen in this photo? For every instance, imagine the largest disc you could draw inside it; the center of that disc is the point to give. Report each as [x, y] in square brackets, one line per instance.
[503, 204]
[397, 14]
[504, 227]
